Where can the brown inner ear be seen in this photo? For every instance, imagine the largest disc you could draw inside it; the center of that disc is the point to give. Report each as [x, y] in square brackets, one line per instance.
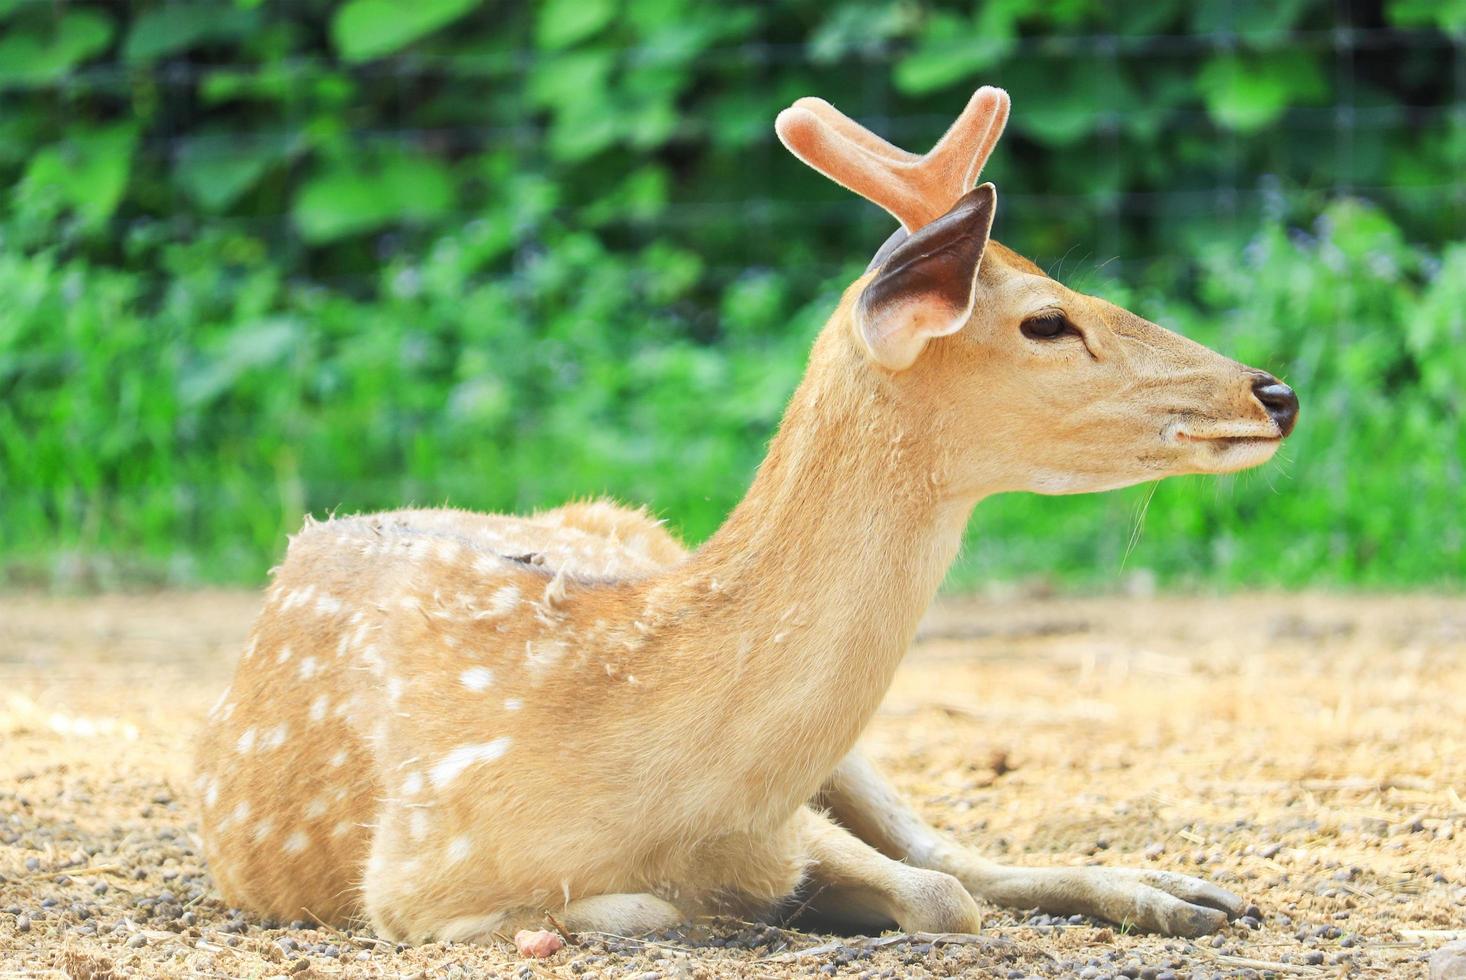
[887, 247]
[936, 266]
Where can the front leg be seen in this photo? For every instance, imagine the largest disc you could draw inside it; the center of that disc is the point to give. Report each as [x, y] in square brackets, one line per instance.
[860, 798]
[851, 883]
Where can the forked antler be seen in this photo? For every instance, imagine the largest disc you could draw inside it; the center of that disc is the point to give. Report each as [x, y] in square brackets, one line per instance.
[916, 190]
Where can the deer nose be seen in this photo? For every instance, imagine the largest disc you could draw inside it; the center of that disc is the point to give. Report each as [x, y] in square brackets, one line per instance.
[1279, 400]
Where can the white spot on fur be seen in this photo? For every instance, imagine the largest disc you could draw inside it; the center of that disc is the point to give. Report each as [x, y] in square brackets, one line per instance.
[338, 760]
[451, 765]
[263, 829]
[374, 660]
[297, 597]
[459, 849]
[377, 737]
[283, 655]
[308, 668]
[319, 707]
[502, 602]
[315, 809]
[246, 741]
[340, 828]
[249, 648]
[328, 605]
[296, 842]
[540, 656]
[513, 704]
[276, 738]
[412, 785]
[211, 796]
[241, 812]
[477, 678]
[395, 687]
[417, 824]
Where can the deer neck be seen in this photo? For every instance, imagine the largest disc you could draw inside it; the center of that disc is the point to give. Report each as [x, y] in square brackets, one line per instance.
[810, 593]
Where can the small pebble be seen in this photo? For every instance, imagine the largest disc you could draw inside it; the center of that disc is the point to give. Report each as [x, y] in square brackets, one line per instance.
[137, 941]
[22, 923]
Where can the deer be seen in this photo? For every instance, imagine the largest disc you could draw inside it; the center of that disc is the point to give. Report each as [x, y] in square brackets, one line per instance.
[452, 725]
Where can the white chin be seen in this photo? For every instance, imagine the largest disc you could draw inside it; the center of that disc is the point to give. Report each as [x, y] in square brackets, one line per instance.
[1231, 455]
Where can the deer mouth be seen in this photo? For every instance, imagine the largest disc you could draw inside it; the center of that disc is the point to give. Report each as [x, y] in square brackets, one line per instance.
[1229, 452]
[1227, 442]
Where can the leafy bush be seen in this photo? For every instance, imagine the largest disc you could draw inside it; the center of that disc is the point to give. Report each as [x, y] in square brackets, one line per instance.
[258, 259]
[183, 434]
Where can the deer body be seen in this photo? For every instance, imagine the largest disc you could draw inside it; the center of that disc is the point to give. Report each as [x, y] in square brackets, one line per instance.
[666, 715]
[454, 722]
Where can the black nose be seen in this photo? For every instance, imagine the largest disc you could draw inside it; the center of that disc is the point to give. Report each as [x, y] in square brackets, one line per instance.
[1279, 400]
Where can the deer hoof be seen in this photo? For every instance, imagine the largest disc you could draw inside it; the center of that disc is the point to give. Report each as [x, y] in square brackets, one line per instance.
[938, 902]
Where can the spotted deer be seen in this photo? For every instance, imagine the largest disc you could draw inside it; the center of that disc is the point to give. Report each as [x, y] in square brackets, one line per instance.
[450, 723]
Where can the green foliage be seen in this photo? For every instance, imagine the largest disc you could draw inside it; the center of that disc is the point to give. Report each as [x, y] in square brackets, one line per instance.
[365, 29]
[258, 259]
[46, 52]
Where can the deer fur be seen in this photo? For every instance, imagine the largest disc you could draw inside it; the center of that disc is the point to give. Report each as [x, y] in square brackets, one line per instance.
[451, 723]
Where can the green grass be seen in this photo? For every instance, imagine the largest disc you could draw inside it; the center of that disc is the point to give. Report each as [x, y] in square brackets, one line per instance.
[172, 425]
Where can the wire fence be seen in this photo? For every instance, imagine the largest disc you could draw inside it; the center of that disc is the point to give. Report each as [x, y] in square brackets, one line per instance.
[1234, 190]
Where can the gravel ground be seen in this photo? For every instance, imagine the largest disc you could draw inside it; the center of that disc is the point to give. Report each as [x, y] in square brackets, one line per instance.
[1306, 751]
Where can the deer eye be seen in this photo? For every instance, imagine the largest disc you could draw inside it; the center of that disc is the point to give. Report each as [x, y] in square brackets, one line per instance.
[1047, 326]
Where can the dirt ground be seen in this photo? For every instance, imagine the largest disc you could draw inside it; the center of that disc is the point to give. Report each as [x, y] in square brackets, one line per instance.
[1308, 752]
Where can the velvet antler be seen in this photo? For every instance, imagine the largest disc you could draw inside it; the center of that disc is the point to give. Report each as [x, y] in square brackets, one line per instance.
[916, 190]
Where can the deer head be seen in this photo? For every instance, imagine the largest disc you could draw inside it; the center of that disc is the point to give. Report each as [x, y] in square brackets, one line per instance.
[1054, 391]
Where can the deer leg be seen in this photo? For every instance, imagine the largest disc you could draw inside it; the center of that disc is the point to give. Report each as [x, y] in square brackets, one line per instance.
[617, 914]
[860, 798]
[851, 883]
[621, 915]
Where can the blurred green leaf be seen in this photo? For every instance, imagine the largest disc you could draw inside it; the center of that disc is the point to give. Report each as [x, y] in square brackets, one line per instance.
[1448, 15]
[562, 23]
[1254, 19]
[174, 27]
[250, 346]
[216, 168]
[366, 29]
[1248, 92]
[951, 49]
[347, 200]
[87, 172]
[31, 56]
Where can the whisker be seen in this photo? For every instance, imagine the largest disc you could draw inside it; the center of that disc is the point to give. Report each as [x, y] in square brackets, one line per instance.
[1139, 524]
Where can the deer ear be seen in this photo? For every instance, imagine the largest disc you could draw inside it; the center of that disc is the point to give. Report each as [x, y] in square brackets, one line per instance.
[926, 287]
